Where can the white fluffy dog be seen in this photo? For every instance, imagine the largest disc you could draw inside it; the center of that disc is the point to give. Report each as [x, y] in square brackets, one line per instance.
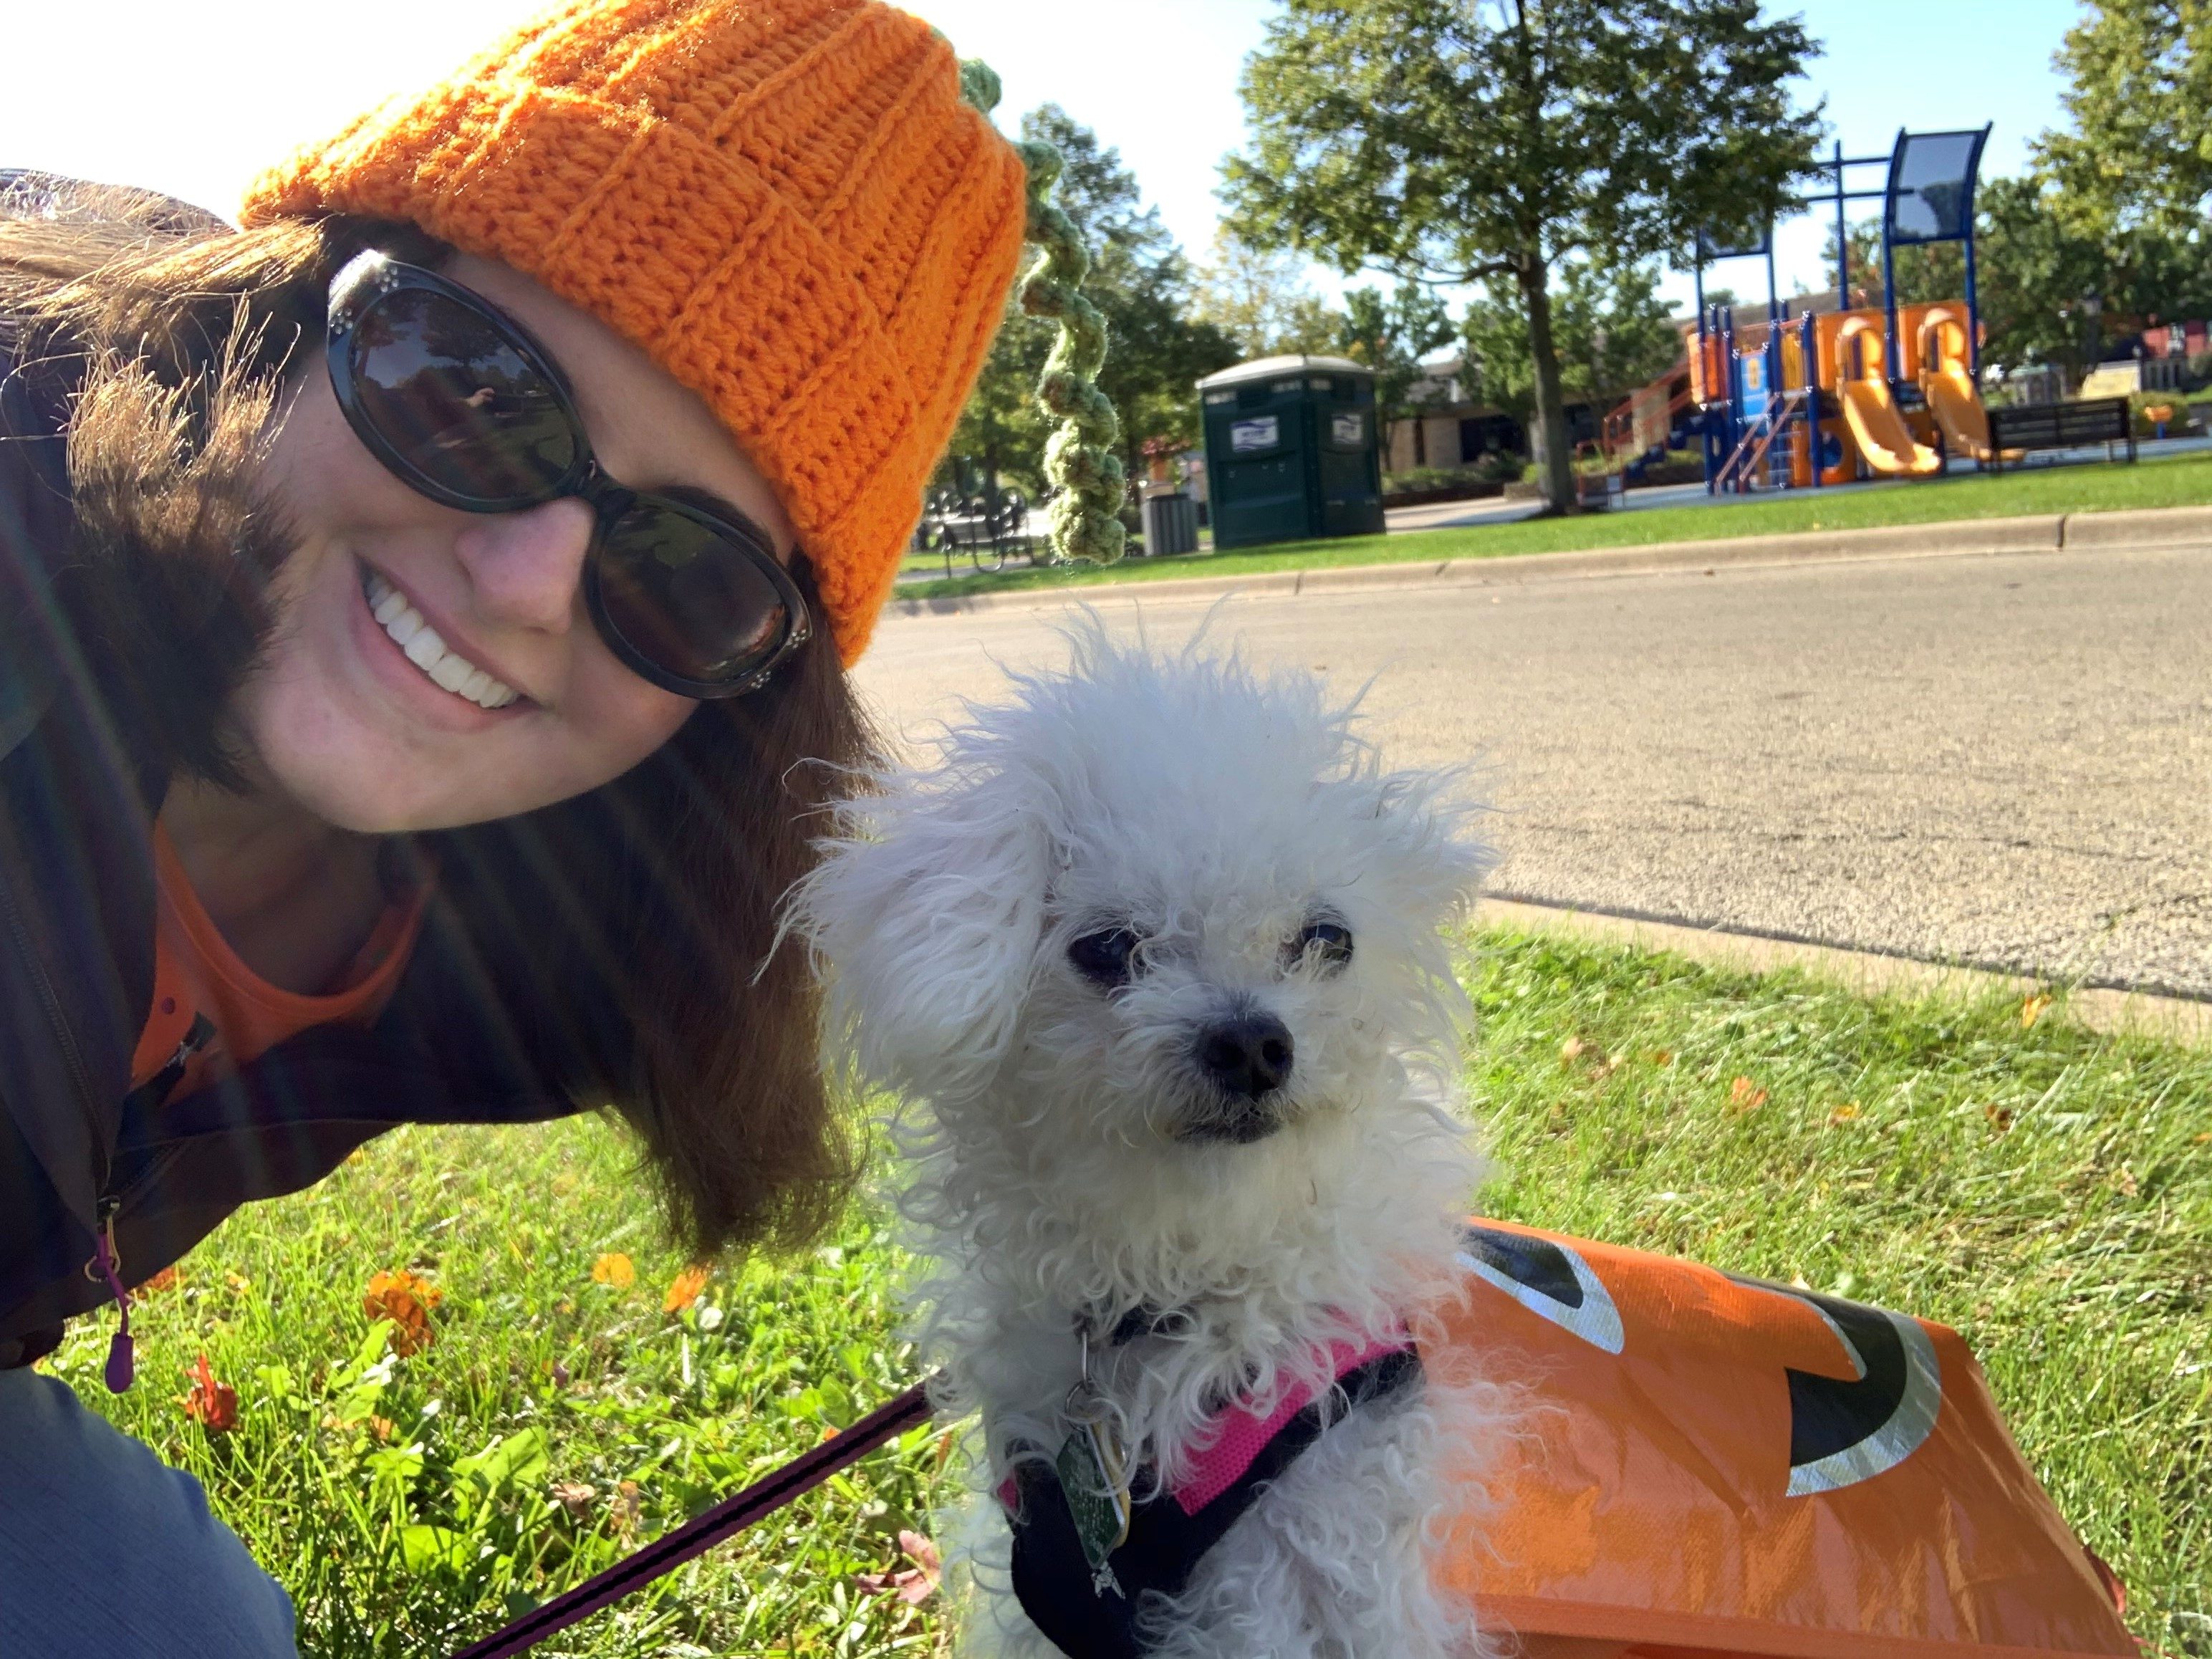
[1156, 946]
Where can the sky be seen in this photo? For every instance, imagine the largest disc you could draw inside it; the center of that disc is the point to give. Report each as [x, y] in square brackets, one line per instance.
[193, 97]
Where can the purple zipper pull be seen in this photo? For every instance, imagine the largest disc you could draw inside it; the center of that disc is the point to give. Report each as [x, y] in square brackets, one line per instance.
[122, 1361]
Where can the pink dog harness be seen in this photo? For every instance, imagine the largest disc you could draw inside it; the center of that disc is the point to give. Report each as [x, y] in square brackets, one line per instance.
[1249, 1444]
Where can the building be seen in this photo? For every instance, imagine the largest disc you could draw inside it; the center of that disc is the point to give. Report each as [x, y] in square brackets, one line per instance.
[1452, 428]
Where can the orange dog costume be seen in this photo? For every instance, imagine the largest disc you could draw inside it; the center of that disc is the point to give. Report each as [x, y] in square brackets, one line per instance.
[1713, 1465]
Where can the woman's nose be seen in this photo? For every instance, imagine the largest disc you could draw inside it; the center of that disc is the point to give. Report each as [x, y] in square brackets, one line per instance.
[526, 568]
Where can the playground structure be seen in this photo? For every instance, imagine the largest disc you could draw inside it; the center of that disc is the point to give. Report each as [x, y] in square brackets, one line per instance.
[1827, 398]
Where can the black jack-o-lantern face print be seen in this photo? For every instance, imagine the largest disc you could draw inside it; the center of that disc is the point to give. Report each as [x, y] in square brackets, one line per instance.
[1842, 1430]
[1550, 1280]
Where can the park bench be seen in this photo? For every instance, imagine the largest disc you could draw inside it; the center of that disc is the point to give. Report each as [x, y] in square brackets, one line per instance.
[2105, 420]
[987, 523]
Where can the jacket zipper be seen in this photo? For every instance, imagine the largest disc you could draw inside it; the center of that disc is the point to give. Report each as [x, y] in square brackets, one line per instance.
[106, 1263]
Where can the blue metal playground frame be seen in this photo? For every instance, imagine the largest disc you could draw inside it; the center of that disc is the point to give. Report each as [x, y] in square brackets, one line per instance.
[1728, 437]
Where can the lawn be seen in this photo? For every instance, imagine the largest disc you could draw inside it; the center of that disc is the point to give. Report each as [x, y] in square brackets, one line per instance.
[2045, 1190]
[2170, 481]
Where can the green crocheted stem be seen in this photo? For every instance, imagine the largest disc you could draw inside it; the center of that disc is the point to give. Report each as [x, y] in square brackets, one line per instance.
[1079, 457]
[979, 84]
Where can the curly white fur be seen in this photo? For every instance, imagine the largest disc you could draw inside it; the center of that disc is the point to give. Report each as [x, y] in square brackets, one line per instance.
[1065, 1162]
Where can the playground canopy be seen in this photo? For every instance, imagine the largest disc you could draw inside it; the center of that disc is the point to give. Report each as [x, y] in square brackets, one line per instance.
[1931, 186]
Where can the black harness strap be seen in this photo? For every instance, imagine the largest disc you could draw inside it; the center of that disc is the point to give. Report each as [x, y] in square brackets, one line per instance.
[1164, 1545]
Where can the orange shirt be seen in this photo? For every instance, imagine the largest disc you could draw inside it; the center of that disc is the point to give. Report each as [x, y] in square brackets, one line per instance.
[196, 972]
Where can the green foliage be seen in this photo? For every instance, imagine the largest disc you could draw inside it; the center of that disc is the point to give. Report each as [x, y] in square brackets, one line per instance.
[2050, 293]
[2036, 280]
[412, 1502]
[1391, 337]
[1930, 270]
[1609, 328]
[1142, 283]
[2139, 154]
[1488, 473]
[1494, 140]
[1261, 301]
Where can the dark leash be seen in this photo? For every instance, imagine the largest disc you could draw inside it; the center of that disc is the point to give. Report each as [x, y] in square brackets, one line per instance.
[698, 1535]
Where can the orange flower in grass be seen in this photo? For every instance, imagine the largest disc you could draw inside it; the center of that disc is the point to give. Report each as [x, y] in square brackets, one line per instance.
[683, 1290]
[1746, 1096]
[212, 1404]
[615, 1270]
[406, 1301]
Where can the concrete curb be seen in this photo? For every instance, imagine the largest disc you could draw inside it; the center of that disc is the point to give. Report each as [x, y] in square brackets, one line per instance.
[2143, 526]
[2174, 526]
[2172, 1019]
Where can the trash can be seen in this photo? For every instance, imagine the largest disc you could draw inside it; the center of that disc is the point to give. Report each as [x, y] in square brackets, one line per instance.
[1291, 451]
[1170, 521]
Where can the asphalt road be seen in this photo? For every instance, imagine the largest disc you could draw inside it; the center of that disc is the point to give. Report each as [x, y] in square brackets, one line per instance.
[2001, 760]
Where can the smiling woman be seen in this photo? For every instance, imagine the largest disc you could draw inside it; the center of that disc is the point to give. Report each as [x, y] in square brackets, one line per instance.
[421, 609]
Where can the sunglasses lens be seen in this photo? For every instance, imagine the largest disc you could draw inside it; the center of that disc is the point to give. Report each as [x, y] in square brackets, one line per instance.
[688, 599]
[450, 394]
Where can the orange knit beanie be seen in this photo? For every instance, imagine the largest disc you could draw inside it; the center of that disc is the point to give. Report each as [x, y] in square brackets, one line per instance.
[785, 201]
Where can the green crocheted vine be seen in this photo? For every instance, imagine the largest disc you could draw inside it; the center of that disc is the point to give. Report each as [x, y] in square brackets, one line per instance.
[1079, 457]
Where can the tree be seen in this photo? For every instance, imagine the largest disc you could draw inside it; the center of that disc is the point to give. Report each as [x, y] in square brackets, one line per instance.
[1469, 142]
[1924, 270]
[2051, 287]
[2141, 74]
[2039, 285]
[1262, 299]
[1391, 337]
[1610, 331]
[1140, 280]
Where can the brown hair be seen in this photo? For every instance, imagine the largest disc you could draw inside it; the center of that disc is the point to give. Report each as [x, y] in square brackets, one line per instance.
[625, 940]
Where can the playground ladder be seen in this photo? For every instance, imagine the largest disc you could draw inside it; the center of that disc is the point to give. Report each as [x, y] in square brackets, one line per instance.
[1759, 438]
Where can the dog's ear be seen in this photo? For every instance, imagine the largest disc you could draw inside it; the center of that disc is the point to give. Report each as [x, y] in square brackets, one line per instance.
[925, 915]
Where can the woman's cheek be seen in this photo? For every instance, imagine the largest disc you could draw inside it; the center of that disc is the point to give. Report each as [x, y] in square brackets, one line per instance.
[620, 718]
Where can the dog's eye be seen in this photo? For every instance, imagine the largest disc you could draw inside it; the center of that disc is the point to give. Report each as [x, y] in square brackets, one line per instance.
[1329, 941]
[1105, 958]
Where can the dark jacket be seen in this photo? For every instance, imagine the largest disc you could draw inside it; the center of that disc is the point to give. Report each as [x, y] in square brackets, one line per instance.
[77, 797]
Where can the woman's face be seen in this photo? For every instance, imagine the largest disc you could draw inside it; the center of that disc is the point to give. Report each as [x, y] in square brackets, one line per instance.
[343, 723]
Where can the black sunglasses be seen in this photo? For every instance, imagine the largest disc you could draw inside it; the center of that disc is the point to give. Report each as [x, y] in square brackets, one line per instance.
[457, 400]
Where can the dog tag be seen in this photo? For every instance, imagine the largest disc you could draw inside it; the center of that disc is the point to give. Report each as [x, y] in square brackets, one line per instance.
[1097, 1492]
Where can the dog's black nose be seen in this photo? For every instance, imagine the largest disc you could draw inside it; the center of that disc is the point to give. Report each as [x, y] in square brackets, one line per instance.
[1248, 1056]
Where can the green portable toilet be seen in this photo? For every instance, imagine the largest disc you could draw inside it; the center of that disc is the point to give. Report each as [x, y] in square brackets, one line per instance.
[1292, 453]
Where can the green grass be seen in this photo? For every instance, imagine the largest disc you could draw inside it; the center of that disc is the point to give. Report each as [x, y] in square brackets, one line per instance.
[2169, 480]
[409, 1517]
[2047, 1191]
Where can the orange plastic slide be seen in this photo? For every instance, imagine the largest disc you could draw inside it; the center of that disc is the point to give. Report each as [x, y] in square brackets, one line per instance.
[1883, 438]
[1951, 395]
[1862, 384]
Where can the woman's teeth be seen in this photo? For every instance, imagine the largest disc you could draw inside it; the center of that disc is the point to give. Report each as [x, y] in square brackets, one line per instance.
[416, 638]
